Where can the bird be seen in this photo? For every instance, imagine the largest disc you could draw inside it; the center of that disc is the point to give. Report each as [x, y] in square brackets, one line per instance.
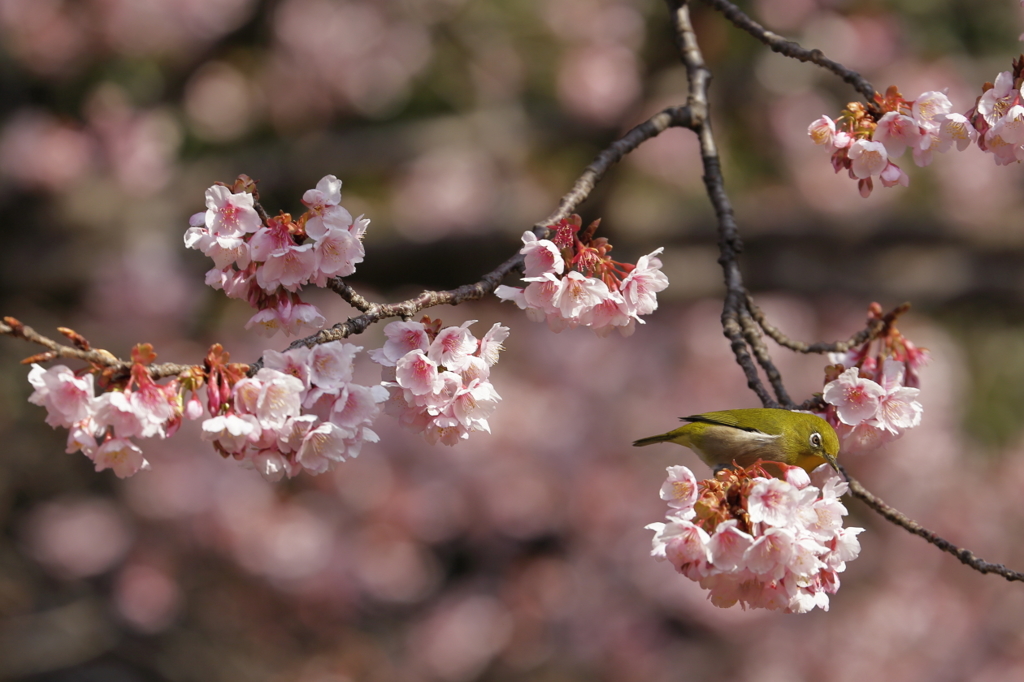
[743, 436]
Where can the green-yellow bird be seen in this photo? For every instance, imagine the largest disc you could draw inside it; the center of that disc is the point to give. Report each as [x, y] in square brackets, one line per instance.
[744, 436]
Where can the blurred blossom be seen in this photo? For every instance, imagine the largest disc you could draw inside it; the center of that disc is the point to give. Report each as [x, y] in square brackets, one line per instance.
[598, 83]
[146, 27]
[46, 36]
[520, 499]
[364, 483]
[38, 151]
[673, 157]
[288, 543]
[140, 146]
[444, 191]
[146, 597]
[784, 15]
[391, 567]
[597, 23]
[461, 637]
[351, 50]
[55, 37]
[181, 487]
[498, 71]
[220, 103]
[146, 279]
[77, 538]
[436, 510]
[284, 541]
[862, 43]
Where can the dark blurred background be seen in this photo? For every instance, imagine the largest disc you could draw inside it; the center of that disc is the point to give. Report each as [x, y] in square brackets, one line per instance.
[455, 125]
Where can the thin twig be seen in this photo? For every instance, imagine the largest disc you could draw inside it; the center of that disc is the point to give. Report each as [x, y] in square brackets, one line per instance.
[584, 185]
[789, 48]
[581, 189]
[102, 358]
[372, 312]
[964, 555]
[874, 329]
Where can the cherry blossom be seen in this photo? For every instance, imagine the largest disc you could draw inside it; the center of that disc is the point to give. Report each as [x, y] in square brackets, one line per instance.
[300, 412]
[897, 410]
[67, 398]
[680, 489]
[871, 404]
[572, 281]
[868, 158]
[640, 286]
[268, 261]
[440, 387]
[856, 398]
[229, 213]
[780, 549]
[325, 211]
[541, 256]
[121, 455]
[403, 338]
[925, 125]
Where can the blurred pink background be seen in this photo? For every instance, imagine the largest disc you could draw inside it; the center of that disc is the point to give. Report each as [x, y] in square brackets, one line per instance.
[520, 555]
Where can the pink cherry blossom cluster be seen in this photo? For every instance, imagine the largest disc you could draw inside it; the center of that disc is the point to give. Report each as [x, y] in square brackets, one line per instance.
[439, 378]
[268, 262]
[865, 140]
[301, 411]
[998, 116]
[870, 411]
[780, 547]
[574, 282]
[102, 427]
[872, 397]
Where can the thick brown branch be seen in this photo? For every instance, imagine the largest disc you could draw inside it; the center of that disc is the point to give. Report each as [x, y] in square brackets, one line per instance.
[789, 48]
[756, 342]
[729, 243]
[964, 555]
[338, 286]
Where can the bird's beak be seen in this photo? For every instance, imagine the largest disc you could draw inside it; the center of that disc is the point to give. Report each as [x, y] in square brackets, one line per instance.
[831, 459]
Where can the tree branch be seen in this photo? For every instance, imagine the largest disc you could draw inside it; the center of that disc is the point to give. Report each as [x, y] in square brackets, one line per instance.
[729, 243]
[789, 48]
[581, 189]
[964, 555]
[756, 342]
[874, 329]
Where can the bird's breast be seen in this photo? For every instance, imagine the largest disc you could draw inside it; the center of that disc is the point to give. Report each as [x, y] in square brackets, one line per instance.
[723, 445]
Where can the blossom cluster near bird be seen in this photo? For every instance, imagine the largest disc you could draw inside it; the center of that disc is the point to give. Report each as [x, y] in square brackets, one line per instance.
[755, 540]
[573, 282]
[866, 139]
[871, 397]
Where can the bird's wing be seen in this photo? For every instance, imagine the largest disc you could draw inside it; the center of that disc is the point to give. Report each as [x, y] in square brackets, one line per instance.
[719, 418]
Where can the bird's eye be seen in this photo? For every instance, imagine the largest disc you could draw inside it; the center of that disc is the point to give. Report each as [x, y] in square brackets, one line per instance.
[815, 440]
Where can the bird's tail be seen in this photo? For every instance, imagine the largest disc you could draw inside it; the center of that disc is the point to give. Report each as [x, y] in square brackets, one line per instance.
[654, 439]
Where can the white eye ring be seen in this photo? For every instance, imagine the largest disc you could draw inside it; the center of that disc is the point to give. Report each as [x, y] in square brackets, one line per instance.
[815, 440]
